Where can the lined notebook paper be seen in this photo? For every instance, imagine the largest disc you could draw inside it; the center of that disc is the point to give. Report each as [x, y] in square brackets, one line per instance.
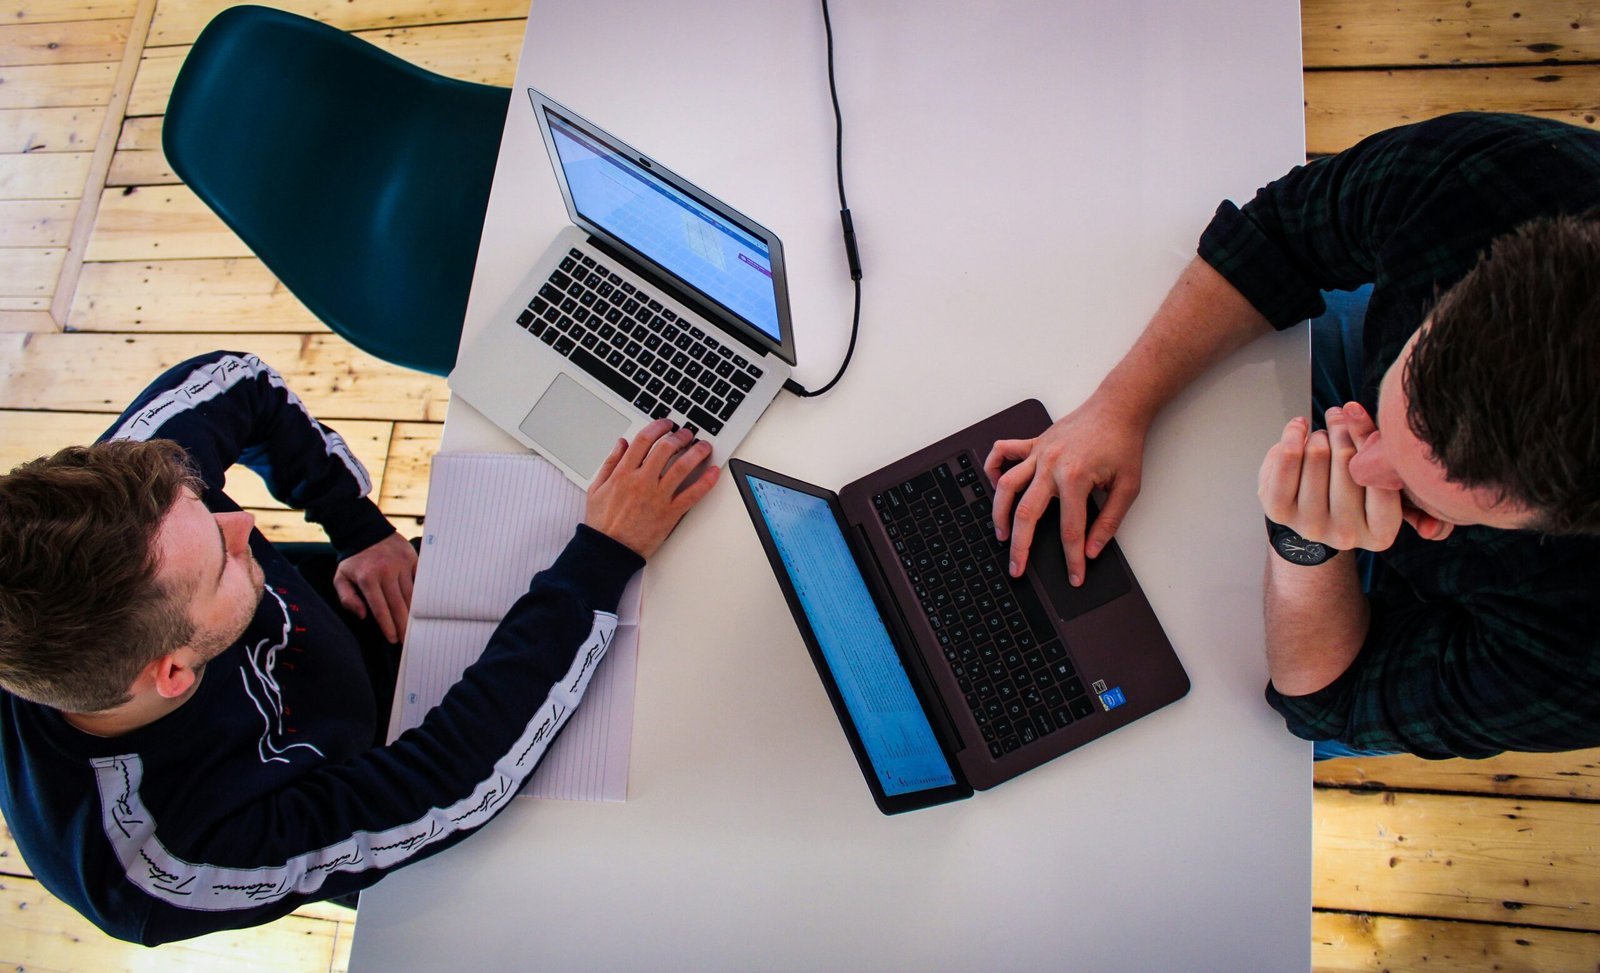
[494, 521]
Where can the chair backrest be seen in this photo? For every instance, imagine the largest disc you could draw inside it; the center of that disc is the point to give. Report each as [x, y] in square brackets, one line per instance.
[359, 180]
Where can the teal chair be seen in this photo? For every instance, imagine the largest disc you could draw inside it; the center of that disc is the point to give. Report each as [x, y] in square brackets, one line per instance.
[359, 180]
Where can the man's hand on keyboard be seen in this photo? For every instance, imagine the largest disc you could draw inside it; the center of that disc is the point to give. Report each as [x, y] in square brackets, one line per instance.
[639, 496]
[1092, 447]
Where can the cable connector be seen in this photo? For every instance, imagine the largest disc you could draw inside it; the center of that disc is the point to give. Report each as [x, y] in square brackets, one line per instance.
[850, 252]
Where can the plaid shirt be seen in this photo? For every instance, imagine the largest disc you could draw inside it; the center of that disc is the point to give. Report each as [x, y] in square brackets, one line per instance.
[1489, 640]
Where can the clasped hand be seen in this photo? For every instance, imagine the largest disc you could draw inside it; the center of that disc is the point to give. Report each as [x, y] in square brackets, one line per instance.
[379, 578]
[1305, 484]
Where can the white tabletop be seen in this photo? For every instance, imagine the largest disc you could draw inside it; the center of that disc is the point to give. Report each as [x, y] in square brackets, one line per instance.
[1027, 179]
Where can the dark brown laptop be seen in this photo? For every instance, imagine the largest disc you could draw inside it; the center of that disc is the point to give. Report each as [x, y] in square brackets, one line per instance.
[947, 674]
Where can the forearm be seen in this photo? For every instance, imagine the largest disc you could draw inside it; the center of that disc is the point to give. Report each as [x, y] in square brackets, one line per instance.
[1202, 320]
[1316, 618]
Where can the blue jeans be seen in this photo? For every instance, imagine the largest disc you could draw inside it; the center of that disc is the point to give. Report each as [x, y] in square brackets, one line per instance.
[1336, 375]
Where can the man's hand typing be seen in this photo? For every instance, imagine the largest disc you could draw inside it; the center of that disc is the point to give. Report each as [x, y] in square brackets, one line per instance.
[1092, 447]
[639, 496]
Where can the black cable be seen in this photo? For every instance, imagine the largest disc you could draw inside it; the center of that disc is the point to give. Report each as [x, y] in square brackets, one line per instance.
[850, 251]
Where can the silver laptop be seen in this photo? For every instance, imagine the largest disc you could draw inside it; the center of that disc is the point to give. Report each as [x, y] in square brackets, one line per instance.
[660, 301]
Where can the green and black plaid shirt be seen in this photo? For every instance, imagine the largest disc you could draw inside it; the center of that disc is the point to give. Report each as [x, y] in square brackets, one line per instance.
[1489, 640]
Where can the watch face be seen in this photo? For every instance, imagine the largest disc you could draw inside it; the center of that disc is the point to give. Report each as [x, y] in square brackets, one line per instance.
[1297, 550]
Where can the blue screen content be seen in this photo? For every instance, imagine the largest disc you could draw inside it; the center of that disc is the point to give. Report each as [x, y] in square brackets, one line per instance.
[855, 645]
[676, 231]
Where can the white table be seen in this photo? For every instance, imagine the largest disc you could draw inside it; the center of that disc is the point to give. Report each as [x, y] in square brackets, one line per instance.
[1027, 179]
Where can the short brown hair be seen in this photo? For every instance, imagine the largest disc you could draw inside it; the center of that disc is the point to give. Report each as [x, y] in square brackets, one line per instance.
[81, 611]
[1504, 385]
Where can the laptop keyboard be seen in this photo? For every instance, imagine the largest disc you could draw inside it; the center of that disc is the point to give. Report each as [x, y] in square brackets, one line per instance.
[1016, 675]
[641, 350]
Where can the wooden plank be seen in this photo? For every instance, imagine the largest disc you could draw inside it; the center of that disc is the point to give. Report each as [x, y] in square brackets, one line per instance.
[1346, 943]
[70, 42]
[282, 526]
[26, 314]
[100, 165]
[30, 271]
[141, 169]
[56, 11]
[140, 133]
[44, 175]
[11, 862]
[405, 478]
[27, 435]
[1489, 859]
[159, 223]
[57, 85]
[1384, 33]
[481, 52]
[140, 160]
[50, 129]
[36, 222]
[44, 934]
[232, 294]
[1343, 107]
[103, 372]
[1557, 775]
[181, 23]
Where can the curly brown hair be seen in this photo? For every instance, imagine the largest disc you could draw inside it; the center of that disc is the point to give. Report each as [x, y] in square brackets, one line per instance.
[81, 610]
[1504, 385]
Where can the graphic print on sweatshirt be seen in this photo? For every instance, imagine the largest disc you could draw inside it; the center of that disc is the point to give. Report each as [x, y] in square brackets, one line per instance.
[260, 677]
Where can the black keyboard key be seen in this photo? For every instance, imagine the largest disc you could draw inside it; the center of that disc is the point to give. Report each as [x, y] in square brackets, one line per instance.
[565, 345]
[669, 315]
[755, 370]
[550, 294]
[525, 318]
[645, 402]
[660, 412]
[613, 379]
[1081, 707]
[726, 412]
[725, 368]
[549, 336]
[562, 281]
[743, 380]
[705, 420]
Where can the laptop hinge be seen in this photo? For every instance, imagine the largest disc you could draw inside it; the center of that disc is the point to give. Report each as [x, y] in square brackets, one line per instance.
[679, 293]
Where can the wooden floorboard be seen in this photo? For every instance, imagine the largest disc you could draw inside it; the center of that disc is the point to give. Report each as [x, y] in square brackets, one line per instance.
[1450, 865]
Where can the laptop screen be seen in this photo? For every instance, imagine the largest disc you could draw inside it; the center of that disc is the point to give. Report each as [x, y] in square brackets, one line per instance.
[877, 692]
[705, 249]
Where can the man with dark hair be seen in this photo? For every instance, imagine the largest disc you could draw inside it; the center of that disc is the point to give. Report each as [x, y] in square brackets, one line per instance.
[192, 726]
[1436, 588]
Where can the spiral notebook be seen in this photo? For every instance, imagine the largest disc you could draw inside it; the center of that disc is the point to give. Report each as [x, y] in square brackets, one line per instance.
[494, 521]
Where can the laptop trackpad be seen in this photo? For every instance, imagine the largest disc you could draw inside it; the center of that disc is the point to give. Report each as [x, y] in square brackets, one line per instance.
[575, 425]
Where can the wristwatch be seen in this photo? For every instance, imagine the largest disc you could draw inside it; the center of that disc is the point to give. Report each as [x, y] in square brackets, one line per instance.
[1296, 549]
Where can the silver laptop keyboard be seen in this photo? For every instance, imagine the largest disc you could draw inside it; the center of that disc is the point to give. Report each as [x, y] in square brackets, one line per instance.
[641, 350]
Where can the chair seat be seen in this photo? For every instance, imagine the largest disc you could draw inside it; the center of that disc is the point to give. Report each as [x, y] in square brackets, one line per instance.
[359, 179]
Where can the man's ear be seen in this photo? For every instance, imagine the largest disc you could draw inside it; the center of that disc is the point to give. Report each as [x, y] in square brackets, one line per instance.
[173, 674]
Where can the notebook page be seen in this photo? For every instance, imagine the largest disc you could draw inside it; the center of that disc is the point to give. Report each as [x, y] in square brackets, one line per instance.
[589, 759]
[494, 521]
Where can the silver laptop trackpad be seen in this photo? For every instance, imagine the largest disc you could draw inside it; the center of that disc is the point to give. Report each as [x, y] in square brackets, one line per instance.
[575, 425]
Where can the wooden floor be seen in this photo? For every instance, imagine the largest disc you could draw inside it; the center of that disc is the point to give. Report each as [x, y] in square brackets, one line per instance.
[110, 271]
